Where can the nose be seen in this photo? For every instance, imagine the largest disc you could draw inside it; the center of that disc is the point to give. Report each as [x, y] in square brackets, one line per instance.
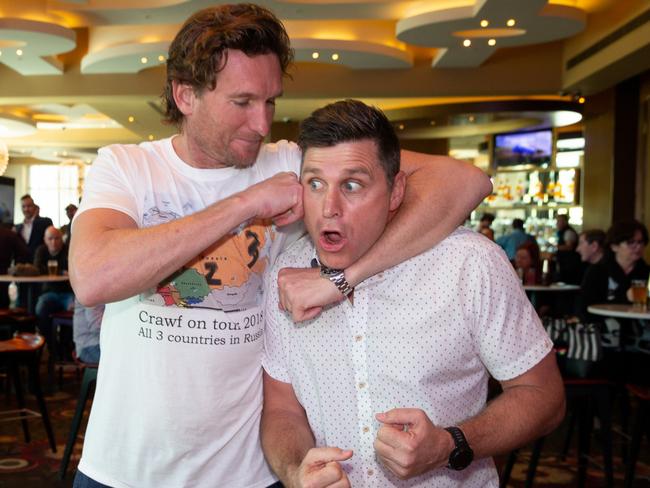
[261, 119]
[332, 204]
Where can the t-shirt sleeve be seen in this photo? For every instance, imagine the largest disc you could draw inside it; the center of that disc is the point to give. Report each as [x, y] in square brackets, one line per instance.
[508, 333]
[274, 358]
[107, 185]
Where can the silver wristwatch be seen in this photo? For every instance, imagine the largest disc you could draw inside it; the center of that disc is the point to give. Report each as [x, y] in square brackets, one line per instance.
[337, 276]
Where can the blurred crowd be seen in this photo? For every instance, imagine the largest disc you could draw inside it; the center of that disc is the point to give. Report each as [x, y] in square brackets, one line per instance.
[36, 247]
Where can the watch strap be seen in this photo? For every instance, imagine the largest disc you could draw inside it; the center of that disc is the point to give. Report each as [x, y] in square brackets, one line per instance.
[337, 276]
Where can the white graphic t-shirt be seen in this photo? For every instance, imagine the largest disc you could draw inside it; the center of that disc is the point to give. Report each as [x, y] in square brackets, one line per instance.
[179, 391]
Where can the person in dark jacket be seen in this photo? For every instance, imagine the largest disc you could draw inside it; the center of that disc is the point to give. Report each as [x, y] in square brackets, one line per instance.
[32, 229]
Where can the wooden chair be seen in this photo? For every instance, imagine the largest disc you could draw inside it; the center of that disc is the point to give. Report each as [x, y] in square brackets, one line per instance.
[24, 349]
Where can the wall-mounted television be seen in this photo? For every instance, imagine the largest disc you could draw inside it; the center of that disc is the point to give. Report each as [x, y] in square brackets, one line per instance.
[520, 149]
[7, 195]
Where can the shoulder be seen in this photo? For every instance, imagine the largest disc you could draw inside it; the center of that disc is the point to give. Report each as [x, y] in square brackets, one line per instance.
[469, 244]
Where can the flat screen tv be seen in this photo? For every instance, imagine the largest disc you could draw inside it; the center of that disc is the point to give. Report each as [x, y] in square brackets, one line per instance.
[7, 195]
[523, 149]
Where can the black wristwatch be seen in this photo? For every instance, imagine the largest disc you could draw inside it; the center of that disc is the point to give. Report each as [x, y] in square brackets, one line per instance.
[462, 455]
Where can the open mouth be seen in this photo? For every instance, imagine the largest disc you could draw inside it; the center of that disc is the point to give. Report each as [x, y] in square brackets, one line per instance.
[332, 241]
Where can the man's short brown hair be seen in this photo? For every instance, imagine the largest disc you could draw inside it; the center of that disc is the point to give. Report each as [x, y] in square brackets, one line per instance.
[199, 50]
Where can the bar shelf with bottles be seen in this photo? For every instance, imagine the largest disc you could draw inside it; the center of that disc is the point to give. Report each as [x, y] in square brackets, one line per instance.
[536, 194]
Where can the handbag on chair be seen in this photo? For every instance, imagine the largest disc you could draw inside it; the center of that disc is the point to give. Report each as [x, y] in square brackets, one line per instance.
[579, 346]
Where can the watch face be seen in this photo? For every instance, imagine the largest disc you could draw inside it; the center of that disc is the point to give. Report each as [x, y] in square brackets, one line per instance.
[461, 458]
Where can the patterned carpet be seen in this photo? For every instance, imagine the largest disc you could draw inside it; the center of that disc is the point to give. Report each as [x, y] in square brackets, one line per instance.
[33, 465]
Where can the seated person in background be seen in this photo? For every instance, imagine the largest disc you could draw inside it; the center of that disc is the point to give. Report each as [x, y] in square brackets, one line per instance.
[12, 248]
[528, 263]
[510, 242]
[609, 280]
[86, 324]
[484, 225]
[56, 296]
[391, 390]
[591, 246]
[569, 267]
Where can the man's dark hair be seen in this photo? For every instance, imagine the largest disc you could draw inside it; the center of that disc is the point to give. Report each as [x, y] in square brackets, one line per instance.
[349, 121]
[198, 52]
[488, 217]
[625, 230]
[595, 235]
[517, 224]
[26, 196]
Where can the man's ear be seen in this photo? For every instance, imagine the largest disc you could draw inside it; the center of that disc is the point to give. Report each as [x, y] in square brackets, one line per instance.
[397, 193]
[184, 97]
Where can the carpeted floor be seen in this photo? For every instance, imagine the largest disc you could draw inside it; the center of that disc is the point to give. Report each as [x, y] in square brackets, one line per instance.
[33, 465]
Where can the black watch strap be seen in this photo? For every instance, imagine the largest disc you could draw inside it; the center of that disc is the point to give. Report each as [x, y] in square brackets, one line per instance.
[462, 455]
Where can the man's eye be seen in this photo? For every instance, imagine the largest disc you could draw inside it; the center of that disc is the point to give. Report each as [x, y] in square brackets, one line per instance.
[315, 184]
[271, 102]
[241, 103]
[351, 186]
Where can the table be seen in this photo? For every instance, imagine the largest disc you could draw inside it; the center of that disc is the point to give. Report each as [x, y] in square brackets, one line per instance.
[627, 311]
[33, 279]
[620, 310]
[532, 290]
[552, 287]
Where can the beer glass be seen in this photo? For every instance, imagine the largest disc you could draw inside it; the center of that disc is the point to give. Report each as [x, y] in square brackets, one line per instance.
[639, 293]
[52, 267]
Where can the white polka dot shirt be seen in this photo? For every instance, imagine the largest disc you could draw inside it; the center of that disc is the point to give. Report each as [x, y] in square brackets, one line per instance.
[425, 334]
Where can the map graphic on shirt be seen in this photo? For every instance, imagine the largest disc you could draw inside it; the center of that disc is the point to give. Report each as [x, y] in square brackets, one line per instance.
[227, 276]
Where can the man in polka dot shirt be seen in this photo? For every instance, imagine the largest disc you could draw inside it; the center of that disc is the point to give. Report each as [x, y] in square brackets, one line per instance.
[388, 387]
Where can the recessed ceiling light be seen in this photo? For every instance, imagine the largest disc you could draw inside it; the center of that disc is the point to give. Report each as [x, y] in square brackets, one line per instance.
[151, 137]
[131, 118]
[19, 52]
[335, 57]
[144, 60]
[315, 55]
[582, 100]
[400, 126]
[161, 58]
[510, 23]
[492, 42]
[484, 23]
[467, 43]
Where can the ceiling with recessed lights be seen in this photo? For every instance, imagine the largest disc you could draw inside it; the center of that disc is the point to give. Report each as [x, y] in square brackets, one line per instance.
[78, 74]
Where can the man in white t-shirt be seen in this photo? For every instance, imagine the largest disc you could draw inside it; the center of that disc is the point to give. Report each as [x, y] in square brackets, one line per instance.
[175, 236]
[388, 388]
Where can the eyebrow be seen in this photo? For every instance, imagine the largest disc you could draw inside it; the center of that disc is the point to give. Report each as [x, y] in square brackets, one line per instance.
[252, 95]
[348, 172]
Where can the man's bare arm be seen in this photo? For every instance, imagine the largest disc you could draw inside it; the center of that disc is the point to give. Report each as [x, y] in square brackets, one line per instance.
[440, 194]
[112, 259]
[531, 406]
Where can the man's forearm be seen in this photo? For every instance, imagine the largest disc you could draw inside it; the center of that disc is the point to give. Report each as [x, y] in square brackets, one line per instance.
[439, 196]
[518, 416]
[110, 264]
[286, 439]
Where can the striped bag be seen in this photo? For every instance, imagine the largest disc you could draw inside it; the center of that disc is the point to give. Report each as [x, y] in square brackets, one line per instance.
[579, 346]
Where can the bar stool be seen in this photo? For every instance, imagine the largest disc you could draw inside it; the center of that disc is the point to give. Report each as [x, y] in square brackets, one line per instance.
[586, 398]
[25, 349]
[641, 426]
[88, 382]
[58, 359]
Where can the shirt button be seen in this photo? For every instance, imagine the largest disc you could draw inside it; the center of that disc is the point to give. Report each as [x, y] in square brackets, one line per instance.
[370, 472]
[362, 385]
[366, 430]
[358, 338]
